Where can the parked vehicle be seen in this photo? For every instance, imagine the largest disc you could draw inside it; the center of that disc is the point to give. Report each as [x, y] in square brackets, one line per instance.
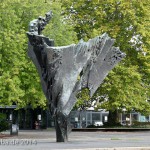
[98, 123]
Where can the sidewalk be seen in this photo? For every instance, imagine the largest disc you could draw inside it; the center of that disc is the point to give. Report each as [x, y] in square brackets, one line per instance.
[45, 140]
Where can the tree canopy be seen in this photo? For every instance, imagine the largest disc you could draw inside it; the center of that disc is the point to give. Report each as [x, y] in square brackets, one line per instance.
[128, 84]
[19, 81]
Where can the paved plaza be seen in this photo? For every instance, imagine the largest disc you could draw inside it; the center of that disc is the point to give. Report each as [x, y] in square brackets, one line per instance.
[45, 140]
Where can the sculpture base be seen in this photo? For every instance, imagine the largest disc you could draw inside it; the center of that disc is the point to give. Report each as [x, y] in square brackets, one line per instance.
[61, 129]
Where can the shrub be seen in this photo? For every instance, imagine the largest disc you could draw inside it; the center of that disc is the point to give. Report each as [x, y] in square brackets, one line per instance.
[3, 122]
[109, 125]
[91, 126]
[141, 124]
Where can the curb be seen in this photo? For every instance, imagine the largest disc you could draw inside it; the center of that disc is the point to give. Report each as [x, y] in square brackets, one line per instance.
[115, 148]
[109, 129]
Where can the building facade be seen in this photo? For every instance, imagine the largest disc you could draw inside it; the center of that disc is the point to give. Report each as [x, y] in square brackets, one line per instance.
[38, 118]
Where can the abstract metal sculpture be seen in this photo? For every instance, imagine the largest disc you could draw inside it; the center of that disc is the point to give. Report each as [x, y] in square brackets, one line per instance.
[65, 70]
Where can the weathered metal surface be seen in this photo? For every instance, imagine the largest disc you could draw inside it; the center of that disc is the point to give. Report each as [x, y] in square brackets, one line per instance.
[65, 70]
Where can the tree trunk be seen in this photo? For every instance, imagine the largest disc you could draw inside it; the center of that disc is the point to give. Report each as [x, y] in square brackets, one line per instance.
[113, 118]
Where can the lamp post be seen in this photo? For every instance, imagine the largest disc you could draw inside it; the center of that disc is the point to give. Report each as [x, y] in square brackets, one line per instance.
[124, 110]
[10, 121]
[39, 119]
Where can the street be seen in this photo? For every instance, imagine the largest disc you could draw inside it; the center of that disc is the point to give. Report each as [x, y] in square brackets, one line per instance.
[45, 140]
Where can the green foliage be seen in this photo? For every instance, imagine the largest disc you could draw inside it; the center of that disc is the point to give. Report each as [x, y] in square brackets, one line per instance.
[128, 84]
[3, 123]
[59, 28]
[137, 124]
[2, 116]
[83, 99]
[19, 80]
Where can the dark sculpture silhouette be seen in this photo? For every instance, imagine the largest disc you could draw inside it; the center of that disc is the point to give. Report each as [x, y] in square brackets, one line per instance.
[65, 70]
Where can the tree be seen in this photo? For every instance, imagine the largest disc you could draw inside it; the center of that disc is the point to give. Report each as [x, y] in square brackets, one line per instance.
[83, 100]
[19, 80]
[127, 86]
[11, 54]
